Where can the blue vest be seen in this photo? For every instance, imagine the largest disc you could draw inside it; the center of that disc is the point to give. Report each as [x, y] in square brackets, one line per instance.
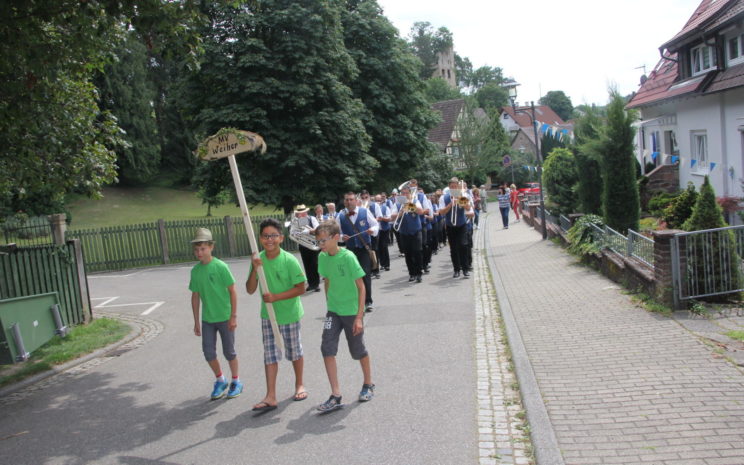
[459, 215]
[410, 224]
[360, 220]
[384, 225]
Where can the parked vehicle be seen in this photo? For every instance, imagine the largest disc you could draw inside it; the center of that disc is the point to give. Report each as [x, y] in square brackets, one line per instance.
[530, 188]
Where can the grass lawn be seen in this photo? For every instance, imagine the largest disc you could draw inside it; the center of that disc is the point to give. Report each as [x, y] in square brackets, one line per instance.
[133, 205]
[80, 341]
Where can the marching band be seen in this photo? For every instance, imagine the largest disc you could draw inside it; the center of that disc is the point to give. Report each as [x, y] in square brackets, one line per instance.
[369, 224]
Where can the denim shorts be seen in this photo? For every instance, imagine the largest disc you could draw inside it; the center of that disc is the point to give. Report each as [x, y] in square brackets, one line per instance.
[209, 340]
[292, 342]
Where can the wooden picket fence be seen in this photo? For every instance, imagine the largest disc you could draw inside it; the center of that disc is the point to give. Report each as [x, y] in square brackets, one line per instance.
[163, 242]
[26, 271]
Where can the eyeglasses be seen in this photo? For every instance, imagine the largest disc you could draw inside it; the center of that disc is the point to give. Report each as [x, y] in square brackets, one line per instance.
[270, 236]
[323, 241]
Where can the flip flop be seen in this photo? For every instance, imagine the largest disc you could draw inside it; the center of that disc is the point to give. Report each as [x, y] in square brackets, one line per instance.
[262, 407]
[300, 396]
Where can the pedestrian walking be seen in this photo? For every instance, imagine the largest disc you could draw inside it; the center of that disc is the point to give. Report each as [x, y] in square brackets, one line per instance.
[286, 283]
[212, 287]
[504, 200]
[514, 200]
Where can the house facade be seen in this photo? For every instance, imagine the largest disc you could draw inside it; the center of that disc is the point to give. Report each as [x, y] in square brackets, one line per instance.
[446, 134]
[692, 103]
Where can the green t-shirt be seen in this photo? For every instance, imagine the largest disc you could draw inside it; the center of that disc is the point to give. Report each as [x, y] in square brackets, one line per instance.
[342, 270]
[211, 282]
[282, 274]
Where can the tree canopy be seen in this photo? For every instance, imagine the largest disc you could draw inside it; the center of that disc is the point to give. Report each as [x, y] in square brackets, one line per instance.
[559, 102]
[426, 43]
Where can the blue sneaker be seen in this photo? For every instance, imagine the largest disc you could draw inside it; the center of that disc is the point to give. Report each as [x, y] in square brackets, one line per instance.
[236, 387]
[368, 392]
[219, 389]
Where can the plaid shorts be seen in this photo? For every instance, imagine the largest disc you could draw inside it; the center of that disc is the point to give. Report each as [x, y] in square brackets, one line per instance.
[292, 342]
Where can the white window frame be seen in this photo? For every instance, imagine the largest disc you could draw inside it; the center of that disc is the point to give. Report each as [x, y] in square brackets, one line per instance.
[697, 57]
[739, 40]
[699, 150]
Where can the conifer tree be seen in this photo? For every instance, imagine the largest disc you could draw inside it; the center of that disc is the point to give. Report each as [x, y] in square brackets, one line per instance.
[587, 152]
[559, 179]
[620, 200]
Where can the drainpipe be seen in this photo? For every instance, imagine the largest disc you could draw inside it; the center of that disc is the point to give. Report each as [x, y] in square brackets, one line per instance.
[724, 146]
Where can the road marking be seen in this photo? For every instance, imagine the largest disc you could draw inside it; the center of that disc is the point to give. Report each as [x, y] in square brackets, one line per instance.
[150, 309]
[115, 276]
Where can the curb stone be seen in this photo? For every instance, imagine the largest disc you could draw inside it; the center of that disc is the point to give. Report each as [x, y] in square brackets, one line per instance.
[142, 331]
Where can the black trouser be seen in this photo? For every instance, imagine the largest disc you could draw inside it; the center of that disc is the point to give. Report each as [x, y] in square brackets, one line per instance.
[375, 245]
[383, 256]
[470, 250]
[443, 232]
[457, 236]
[397, 239]
[310, 262]
[363, 257]
[426, 248]
[434, 237]
[411, 244]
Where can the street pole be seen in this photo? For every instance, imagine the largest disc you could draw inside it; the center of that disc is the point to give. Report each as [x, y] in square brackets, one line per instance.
[539, 174]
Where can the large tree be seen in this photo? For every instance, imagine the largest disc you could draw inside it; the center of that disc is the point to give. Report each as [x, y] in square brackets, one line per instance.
[559, 102]
[128, 93]
[483, 142]
[397, 116]
[436, 89]
[280, 68]
[560, 178]
[620, 199]
[492, 96]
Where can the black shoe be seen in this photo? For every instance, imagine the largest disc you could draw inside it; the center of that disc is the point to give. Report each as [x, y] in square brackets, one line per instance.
[456, 274]
[426, 270]
[465, 274]
[418, 279]
[411, 278]
[387, 268]
[368, 308]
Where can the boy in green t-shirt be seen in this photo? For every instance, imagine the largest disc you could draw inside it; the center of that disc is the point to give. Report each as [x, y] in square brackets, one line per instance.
[213, 285]
[286, 283]
[344, 288]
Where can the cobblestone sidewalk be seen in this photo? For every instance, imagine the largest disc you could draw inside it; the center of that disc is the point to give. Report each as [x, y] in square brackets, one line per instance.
[503, 436]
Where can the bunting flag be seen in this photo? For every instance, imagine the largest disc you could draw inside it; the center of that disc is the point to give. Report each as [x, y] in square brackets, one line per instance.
[712, 165]
[654, 156]
[675, 159]
[692, 163]
[526, 167]
[543, 128]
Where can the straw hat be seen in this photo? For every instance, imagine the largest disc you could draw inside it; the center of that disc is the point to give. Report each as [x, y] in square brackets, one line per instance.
[301, 208]
[202, 235]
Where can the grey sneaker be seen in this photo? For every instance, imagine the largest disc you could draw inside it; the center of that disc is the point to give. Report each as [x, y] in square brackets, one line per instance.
[368, 392]
[333, 403]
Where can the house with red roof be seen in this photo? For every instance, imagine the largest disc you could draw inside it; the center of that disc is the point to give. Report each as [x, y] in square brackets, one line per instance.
[692, 102]
[446, 134]
[519, 125]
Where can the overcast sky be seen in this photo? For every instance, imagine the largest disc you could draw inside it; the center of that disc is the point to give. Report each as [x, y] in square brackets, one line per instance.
[577, 46]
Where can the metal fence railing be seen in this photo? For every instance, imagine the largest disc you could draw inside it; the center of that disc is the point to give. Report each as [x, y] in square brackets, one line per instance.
[565, 223]
[161, 242]
[708, 263]
[36, 231]
[615, 241]
[641, 247]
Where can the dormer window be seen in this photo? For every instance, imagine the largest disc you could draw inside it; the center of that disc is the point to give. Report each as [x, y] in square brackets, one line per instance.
[702, 59]
[735, 49]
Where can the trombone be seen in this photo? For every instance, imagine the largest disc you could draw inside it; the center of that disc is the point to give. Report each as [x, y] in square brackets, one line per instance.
[408, 207]
[462, 201]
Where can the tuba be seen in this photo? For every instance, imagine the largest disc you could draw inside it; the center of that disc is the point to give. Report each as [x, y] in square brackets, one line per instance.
[299, 231]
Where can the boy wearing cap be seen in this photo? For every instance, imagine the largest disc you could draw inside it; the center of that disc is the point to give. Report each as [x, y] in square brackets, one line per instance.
[213, 286]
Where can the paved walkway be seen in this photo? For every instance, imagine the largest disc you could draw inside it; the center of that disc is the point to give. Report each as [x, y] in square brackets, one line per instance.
[619, 384]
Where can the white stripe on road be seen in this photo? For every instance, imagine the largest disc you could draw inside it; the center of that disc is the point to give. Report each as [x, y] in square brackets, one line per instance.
[153, 305]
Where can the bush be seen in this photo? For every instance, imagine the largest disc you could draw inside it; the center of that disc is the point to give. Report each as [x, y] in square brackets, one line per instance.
[659, 202]
[681, 207]
[581, 236]
[560, 179]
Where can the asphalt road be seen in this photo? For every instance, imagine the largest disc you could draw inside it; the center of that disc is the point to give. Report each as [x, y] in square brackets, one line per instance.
[150, 405]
